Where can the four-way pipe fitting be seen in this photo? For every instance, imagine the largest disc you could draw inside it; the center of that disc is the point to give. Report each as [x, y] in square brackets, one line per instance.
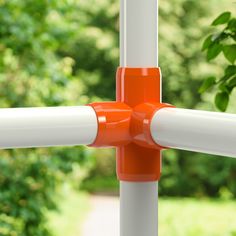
[125, 124]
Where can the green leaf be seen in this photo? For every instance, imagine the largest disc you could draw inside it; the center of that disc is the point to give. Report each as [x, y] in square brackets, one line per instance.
[223, 79]
[233, 37]
[208, 41]
[232, 24]
[225, 88]
[230, 70]
[219, 37]
[230, 52]
[222, 19]
[222, 101]
[213, 51]
[232, 82]
[207, 83]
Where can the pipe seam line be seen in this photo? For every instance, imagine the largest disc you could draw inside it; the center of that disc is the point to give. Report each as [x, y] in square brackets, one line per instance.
[125, 124]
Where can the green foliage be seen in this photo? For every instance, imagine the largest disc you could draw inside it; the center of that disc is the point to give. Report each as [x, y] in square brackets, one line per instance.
[222, 100]
[222, 41]
[208, 83]
[9, 226]
[29, 180]
[102, 177]
[96, 47]
[222, 19]
[230, 52]
[213, 51]
[33, 72]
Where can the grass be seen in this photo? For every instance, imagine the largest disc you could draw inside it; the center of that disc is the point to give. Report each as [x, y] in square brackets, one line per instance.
[73, 207]
[101, 185]
[177, 216]
[190, 217]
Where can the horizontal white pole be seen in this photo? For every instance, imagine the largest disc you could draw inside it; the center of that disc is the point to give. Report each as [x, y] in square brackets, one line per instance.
[138, 33]
[138, 208]
[53, 126]
[199, 131]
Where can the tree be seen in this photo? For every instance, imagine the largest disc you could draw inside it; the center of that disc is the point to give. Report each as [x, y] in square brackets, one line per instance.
[223, 41]
[33, 73]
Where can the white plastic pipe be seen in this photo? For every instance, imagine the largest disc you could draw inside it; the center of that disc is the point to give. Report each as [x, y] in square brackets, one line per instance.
[199, 131]
[139, 209]
[138, 33]
[53, 126]
[138, 48]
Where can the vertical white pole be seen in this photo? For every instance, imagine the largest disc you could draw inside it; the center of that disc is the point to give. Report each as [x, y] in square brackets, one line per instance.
[138, 208]
[138, 33]
[138, 48]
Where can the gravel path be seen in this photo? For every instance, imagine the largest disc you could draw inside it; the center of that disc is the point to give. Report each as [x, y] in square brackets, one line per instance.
[103, 219]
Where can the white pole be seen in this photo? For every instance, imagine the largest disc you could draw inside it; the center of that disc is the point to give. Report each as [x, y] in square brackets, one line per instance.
[138, 209]
[138, 48]
[41, 127]
[138, 33]
[199, 131]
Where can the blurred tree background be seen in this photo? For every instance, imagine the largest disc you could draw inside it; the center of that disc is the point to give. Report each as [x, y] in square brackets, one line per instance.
[65, 52]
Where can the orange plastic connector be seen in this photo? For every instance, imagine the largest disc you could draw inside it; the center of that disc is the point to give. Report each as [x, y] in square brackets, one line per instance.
[113, 124]
[125, 124]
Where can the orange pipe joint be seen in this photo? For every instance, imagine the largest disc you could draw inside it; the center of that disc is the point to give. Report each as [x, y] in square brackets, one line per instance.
[125, 124]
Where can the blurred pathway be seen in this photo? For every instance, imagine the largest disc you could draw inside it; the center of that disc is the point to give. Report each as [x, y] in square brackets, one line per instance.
[103, 219]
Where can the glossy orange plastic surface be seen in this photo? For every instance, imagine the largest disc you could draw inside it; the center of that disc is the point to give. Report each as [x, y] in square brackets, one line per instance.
[125, 124]
[135, 86]
[113, 124]
[141, 121]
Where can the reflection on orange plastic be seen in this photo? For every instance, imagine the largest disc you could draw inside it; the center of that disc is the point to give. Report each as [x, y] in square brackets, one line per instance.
[125, 124]
[113, 124]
